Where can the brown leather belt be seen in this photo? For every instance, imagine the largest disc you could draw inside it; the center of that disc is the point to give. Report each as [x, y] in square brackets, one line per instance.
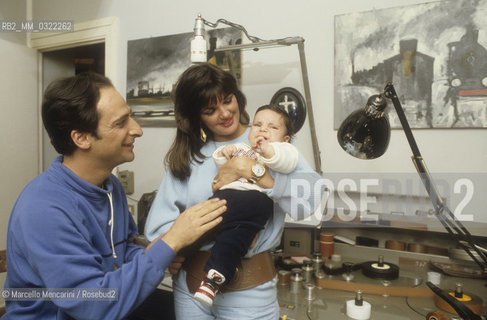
[251, 272]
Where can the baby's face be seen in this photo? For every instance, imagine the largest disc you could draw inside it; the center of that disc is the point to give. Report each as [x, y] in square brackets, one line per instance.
[269, 125]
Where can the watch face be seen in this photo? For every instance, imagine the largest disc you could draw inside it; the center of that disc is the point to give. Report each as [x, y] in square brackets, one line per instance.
[258, 169]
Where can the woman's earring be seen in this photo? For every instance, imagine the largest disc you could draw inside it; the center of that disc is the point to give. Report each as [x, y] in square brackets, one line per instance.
[202, 135]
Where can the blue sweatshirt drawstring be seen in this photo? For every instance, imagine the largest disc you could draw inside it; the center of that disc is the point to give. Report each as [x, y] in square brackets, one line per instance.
[111, 223]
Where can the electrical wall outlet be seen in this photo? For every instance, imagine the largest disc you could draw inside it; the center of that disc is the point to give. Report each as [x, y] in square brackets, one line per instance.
[126, 178]
[132, 209]
[298, 241]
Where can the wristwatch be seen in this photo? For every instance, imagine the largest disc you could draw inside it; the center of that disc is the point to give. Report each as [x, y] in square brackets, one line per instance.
[258, 171]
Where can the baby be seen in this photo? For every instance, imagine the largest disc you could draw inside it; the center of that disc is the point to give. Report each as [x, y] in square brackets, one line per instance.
[248, 207]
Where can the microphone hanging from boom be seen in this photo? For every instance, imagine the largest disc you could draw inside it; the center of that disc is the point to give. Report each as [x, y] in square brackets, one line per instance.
[198, 43]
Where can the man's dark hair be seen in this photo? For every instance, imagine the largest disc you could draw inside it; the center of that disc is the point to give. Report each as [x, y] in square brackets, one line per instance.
[70, 104]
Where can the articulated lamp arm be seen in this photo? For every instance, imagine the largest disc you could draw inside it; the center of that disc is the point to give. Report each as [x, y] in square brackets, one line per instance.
[442, 212]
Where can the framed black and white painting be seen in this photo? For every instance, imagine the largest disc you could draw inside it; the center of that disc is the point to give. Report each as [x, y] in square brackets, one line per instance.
[433, 53]
[154, 65]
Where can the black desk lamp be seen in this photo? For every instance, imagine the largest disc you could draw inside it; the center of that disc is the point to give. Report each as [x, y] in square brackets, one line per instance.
[365, 134]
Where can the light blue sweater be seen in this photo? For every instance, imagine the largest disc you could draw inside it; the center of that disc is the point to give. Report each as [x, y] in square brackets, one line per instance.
[59, 236]
[175, 196]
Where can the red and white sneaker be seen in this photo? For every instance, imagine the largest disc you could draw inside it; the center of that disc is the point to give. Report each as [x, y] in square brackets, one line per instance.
[209, 287]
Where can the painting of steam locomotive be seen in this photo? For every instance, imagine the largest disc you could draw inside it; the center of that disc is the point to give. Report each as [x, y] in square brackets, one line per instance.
[154, 65]
[434, 53]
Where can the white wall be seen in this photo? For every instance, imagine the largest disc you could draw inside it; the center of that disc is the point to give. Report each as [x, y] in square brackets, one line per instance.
[18, 103]
[19, 125]
[444, 150]
[18, 120]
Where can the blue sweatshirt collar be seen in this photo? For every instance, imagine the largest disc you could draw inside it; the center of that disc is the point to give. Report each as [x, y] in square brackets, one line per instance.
[73, 181]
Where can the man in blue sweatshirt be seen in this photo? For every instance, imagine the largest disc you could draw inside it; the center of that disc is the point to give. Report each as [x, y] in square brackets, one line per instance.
[70, 228]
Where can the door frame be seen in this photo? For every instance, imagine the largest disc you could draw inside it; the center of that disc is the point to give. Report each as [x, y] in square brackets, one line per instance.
[85, 33]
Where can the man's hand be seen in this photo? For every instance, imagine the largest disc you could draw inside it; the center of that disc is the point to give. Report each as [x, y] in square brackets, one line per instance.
[193, 223]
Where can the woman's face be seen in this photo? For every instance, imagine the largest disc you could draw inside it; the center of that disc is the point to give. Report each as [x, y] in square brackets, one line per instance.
[223, 118]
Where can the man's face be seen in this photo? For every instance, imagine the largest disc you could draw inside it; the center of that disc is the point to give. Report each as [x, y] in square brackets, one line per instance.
[116, 130]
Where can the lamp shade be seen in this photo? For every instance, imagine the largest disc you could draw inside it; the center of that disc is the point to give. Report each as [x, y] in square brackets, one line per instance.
[365, 133]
